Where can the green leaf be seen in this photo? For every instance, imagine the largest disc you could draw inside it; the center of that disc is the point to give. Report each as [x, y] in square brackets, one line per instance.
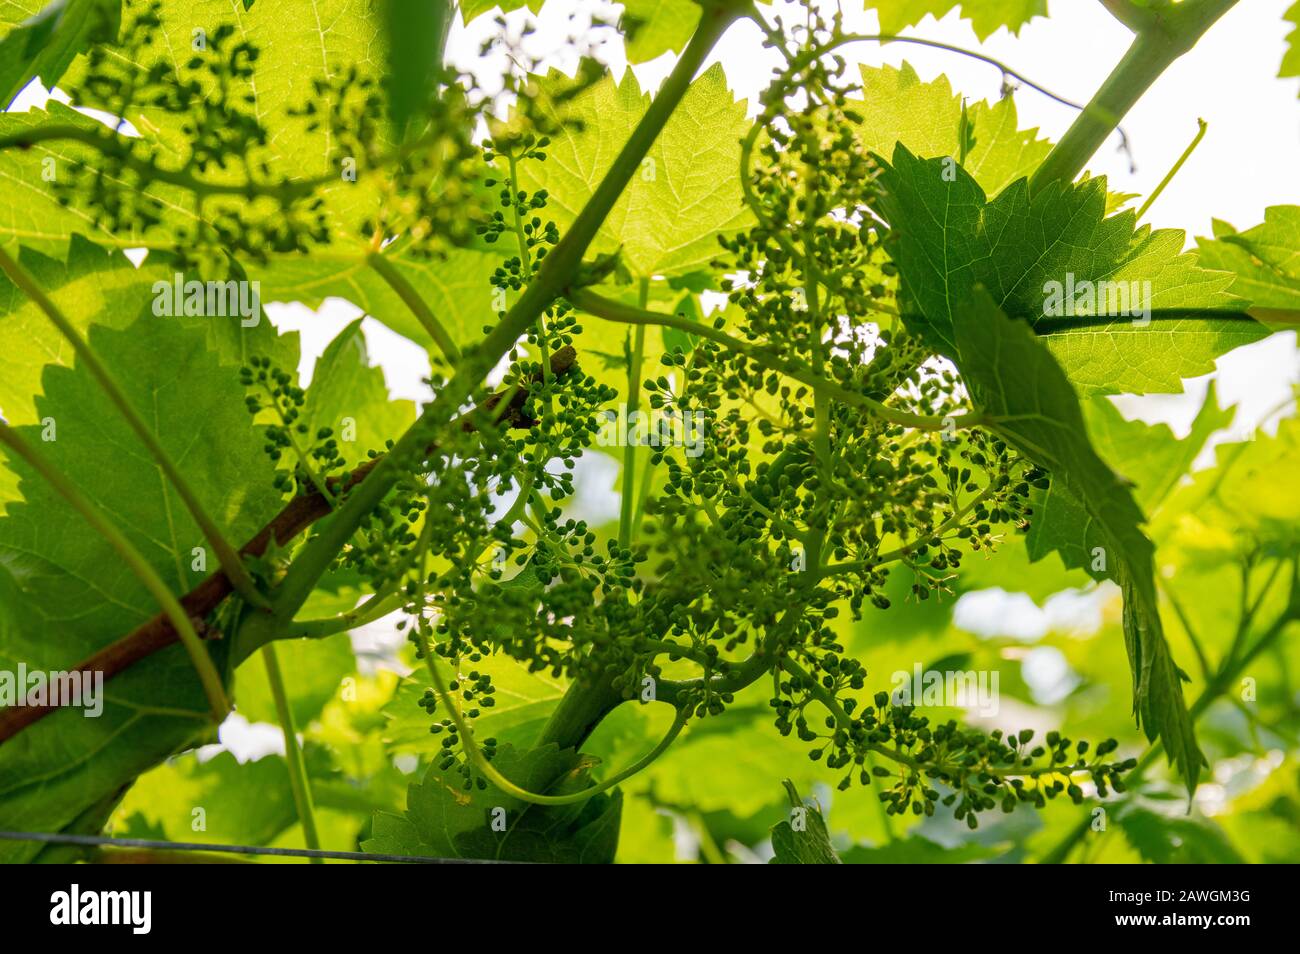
[687, 190]
[29, 209]
[349, 396]
[986, 16]
[1266, 261]
[42, 42]
[926, 117]
[96, 287]
[473, 9]
[524, 701]
[296, 43]
[1178, 839]
[655, 27]
[1240, 505]
[445, 820]
[313, 669]
[218, 800]
[69, 593]
[916, 850]
[1030, 403]
[802, 838]
[1148, 456]
[456, 288]
[948, 238]
[1291, 59]
[416, 33]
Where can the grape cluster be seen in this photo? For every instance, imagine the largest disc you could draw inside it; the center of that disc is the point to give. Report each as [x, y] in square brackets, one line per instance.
[978, 772]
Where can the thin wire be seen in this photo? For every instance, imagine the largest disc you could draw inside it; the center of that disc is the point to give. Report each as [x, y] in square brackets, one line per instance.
[102, 840]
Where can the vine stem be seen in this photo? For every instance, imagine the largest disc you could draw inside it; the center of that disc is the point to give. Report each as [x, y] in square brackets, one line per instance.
[198, 653]
[611, 310]
[1169, 176]
[296, 516]
[411, 298]
[890, 556]
[226, 555]
[471, 748]
[1160, 38]
[490, 772]
[298, 781]
[627, 499]
[555, 274]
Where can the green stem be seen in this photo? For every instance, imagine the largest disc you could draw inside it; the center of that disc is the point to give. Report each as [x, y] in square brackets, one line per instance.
[1169, 176]
[376, 607]
[229, 559]
[135, 561]
[628, 499]
[891, 555]
[556, 273]
[298, 781]
[419, 308]
[611, 310]
[1160, 40]
[489, 771]
[109, 144]
[1129, 13]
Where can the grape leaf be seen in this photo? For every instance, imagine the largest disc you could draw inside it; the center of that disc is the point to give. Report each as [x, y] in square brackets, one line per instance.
[92, 284]
[417, 34]
[42, 41]
[70, 593]
[810, 844]
[524, 700]
[248, 804]
[473, 9]
[916, 850]
[29, 209]
[926, 117]
[1238, 505]
[1291, 59]
[1149, 456]
[1175, 839]
[445, 820]
[687, 190]
[296, 43]
[1030, 403]
[948, 238]
[1151, 461]
[313, 670]
[986, 16]
[1266, 261]
[658, 26]
[455, 288]
[98, 287]
[349, 396]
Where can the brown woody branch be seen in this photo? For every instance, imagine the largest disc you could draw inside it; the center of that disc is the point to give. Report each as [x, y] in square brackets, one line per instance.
[298, 514]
